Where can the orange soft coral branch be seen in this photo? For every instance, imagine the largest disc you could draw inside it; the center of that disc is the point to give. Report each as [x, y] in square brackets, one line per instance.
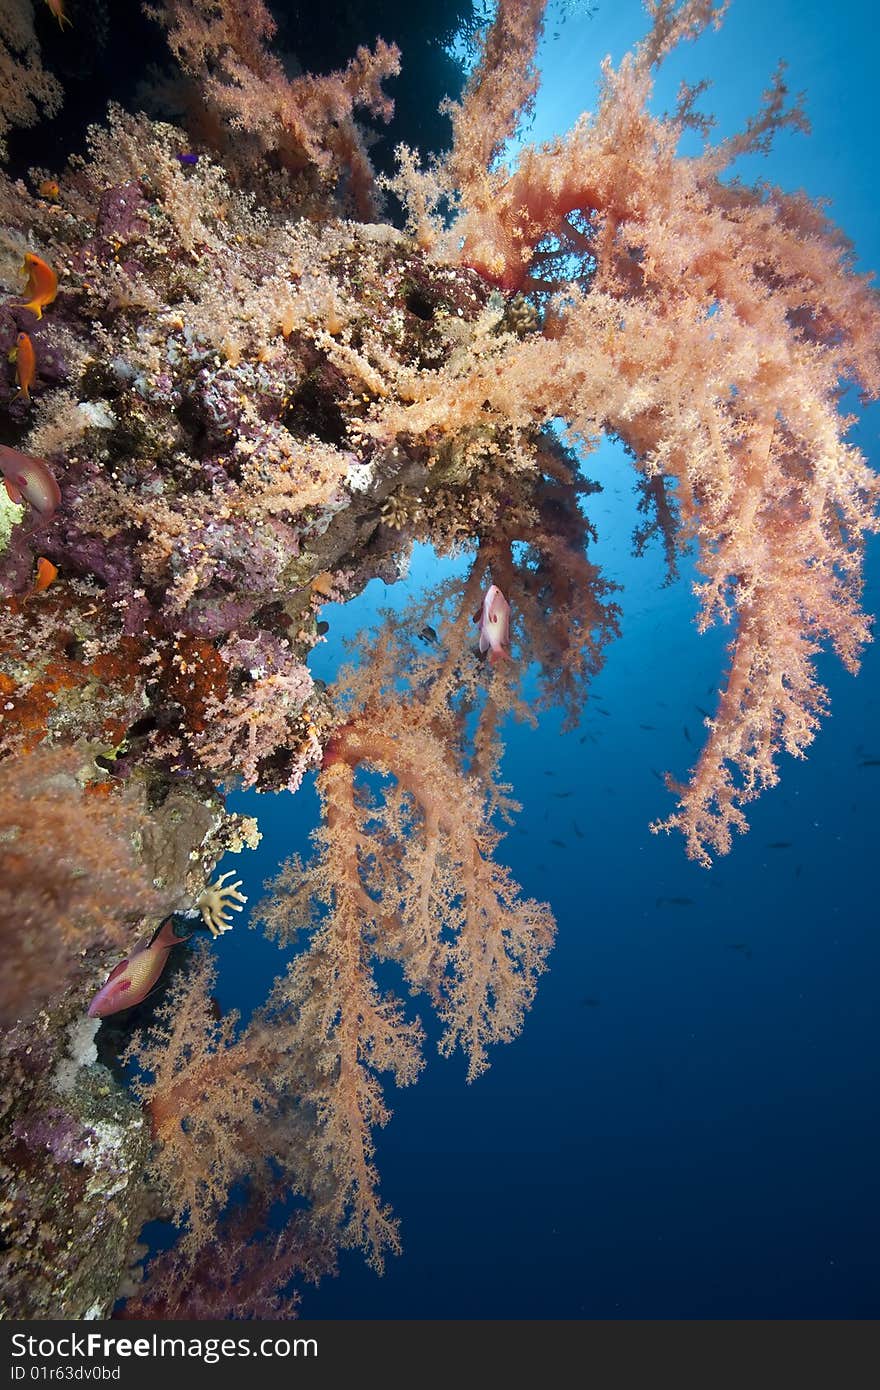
[28, 91]
[500, 92]
[354, 1030]
[222, 45]
[608, 170]
[711, 328]
[204, 1089]
[462, 930]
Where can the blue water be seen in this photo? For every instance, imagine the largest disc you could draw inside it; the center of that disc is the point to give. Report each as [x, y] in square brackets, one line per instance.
[688, 1125]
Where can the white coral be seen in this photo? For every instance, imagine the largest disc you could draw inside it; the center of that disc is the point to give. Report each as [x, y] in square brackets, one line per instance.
[218, 900]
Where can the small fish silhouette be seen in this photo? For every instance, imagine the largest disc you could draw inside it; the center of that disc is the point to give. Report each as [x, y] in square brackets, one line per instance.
[428, 636]
[686, 733]
[780, 844]
[648, 726]
[578, 831]
[560, 843]
[870, 762]
[590, 1003]
[658, 775]
[674, 902]
[704, 712]
[741, 946]
[560, 796]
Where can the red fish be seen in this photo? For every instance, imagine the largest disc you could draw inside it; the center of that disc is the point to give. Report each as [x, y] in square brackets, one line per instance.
[494, 620]
[29, 479]
[132, 980]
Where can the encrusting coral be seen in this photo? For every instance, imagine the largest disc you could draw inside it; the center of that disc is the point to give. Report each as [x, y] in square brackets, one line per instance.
[252, 396]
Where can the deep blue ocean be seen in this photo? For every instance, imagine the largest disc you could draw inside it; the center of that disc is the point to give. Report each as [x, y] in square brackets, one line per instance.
[688, 1125]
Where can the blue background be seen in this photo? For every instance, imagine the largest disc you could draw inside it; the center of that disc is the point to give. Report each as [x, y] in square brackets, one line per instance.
[688, 1126]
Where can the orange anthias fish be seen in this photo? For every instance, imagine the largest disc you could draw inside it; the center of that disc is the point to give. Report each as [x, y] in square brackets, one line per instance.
[494, 620]
[25, 364]
[57, 8]
[47, 573]
[42, 285]
[132, 980]
[49, 189]
[30, 479]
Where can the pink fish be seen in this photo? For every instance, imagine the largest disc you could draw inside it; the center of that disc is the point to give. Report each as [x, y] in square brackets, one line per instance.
[132, 980]
[30, 479]
[494, 620]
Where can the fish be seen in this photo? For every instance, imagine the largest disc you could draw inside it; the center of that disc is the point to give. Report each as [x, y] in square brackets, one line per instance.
[780, 844]
[46, 574]
[658, 775]
[705, 713]
[428, 636]
[494, 620]
[870, 762]
[652, 727]
[577, 830]
[30, 479]
[57, 8]
[590, 1003]
[322, 628]
[133, 978]
[188, 158]
[560, 843]
[560, 796]
[25, 364]
[42, 286]
[49, 189]
[742, 946]
[686, 732]
[674, 902]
